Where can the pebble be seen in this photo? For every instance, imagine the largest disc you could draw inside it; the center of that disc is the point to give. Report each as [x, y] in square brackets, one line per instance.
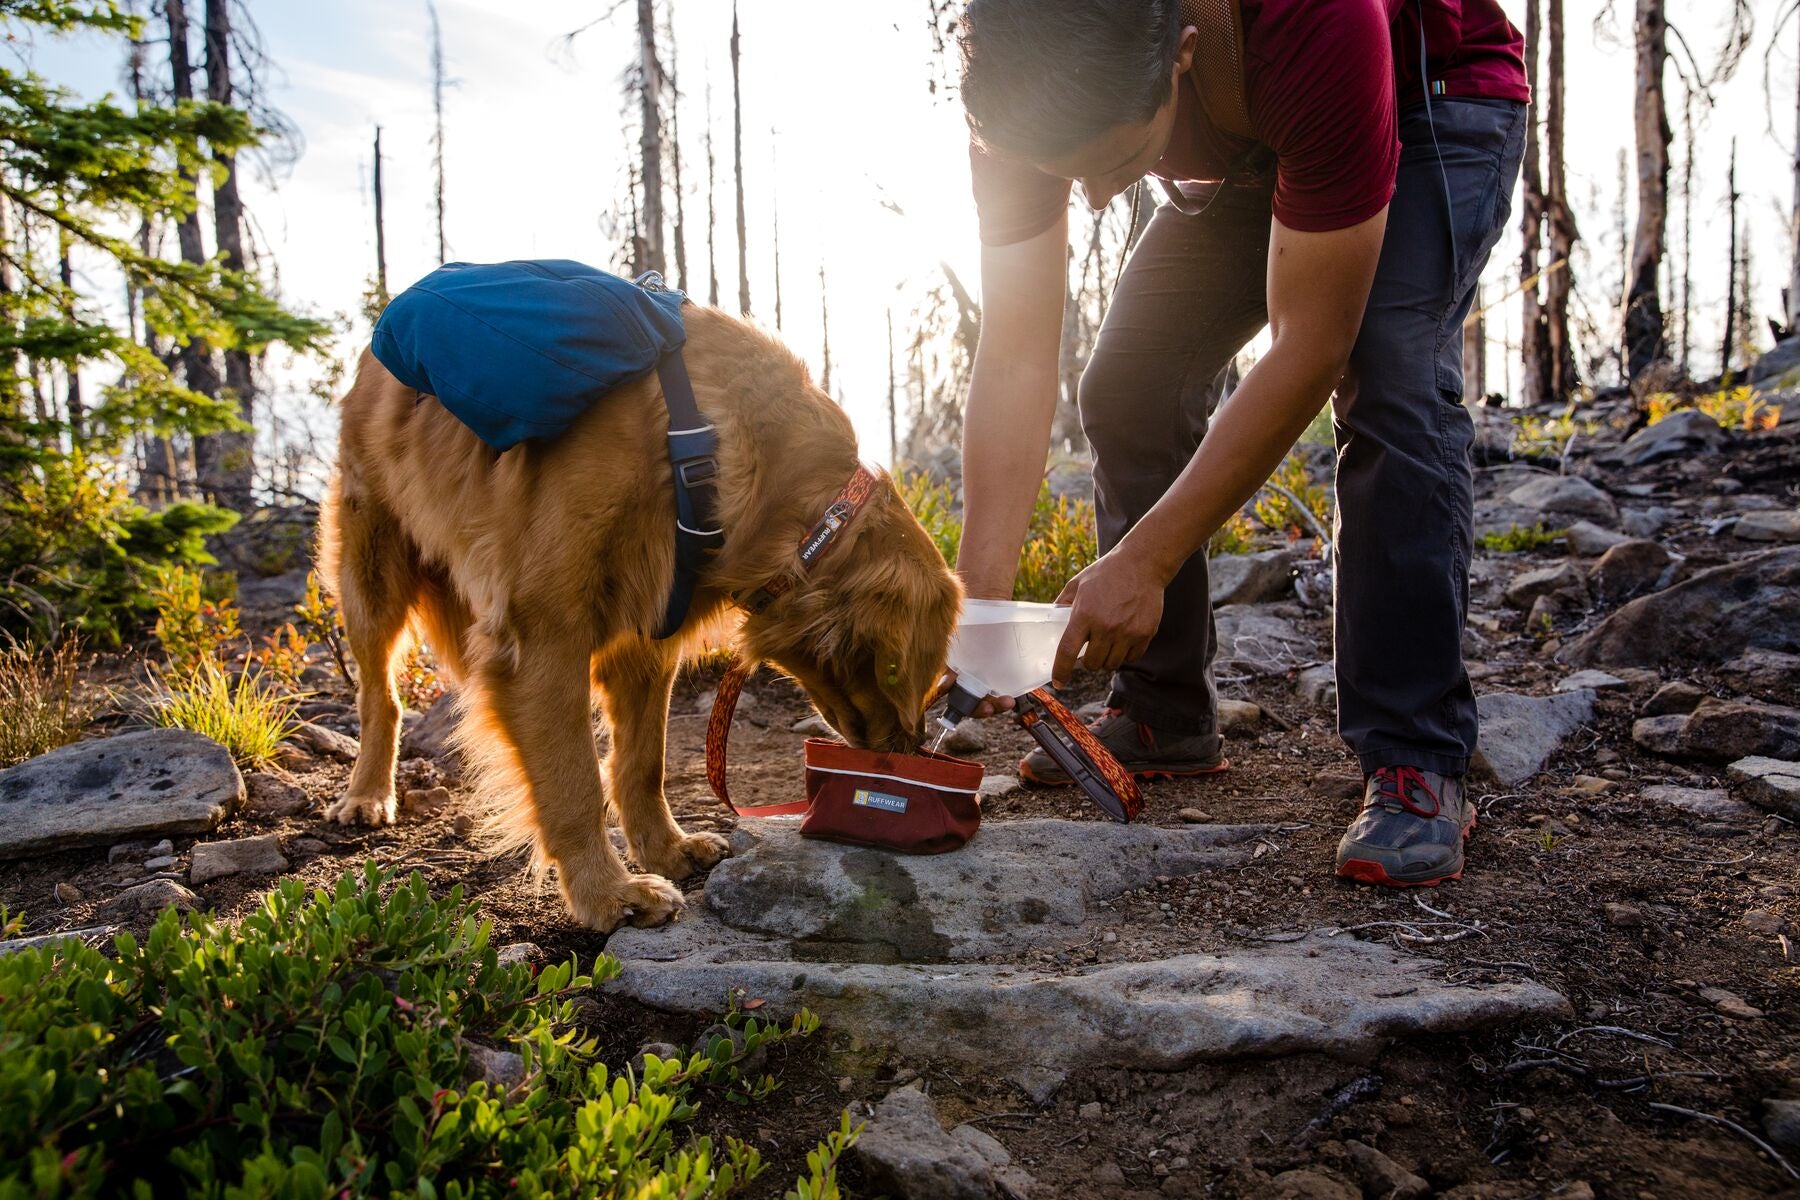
[1109, 937]
[1195, 816]
[966, 738]
[515, 953]
[1761, 920]
[1590, 785]
[463, 826]
[1730, 1003]
[1091, 1111]
[427, 800]
[138, 851]
[1623, 916]
[308, 845]
[251, 855]
[161, 862]
[812, 725]
[68, 893]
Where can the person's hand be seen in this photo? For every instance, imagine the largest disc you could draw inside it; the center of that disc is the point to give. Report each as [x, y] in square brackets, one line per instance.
[1118, 605]
[987, 708]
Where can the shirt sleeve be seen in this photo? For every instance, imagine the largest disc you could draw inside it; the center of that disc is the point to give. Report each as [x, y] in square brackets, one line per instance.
[1014, 201]
[1325, 105]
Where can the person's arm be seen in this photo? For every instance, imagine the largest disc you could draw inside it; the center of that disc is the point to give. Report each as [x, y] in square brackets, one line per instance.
[1012, 401]
[1318, 287]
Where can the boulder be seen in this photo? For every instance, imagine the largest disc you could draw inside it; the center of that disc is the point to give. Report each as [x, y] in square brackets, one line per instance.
[1520, 733]
[1563, 583]
[1567, 496]
[1251, 578]
[1647, 522]
[1767, 672]
[1680, 696]
[1629, 569]
[1753, 603]
[1768, 783]
[1587, 540]
[1768, 527]
[1660, 735]
[1724, 730]
[240, 856]
[1684, 431]
[133, 786]
[906, 1153]
[432, 736]
[1318, 686]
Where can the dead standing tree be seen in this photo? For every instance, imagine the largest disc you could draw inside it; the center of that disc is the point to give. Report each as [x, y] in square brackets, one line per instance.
[437, 126]
[737, 153]
[649, 89]
[1534, 383]
[1644, 338]
[199, 372]
[1559, 216]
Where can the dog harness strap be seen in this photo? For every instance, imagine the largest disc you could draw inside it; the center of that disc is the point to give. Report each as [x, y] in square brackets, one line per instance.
[818, 540]
[718, 733]
[692, 449]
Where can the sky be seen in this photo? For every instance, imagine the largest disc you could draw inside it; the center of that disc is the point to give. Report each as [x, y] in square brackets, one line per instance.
[840, 129]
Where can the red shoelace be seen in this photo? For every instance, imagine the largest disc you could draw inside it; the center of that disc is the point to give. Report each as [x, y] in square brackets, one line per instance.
[1396, 784]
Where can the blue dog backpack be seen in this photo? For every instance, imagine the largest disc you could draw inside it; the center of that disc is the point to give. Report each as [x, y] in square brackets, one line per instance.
[519, 350]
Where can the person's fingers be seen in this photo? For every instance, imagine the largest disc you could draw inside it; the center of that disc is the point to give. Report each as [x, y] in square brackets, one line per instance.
[1073, 638]
[1138, 649]
[1102, 653]
[1067, 595]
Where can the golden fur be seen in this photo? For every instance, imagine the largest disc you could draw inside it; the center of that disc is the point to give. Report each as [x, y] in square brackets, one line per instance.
[537, 576]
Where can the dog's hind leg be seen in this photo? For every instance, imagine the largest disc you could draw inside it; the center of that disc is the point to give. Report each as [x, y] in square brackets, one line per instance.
[634, 678]
[538, 693]
[373, 570]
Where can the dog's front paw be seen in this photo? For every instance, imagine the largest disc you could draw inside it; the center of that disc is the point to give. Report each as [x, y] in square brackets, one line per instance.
[353, 809]
[643, 900]
[689, 854]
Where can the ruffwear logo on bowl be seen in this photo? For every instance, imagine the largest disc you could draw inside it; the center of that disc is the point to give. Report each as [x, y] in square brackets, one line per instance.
[864, 798]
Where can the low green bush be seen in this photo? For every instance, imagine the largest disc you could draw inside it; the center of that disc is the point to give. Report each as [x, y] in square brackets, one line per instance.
[320, 1049]
[1517, 539]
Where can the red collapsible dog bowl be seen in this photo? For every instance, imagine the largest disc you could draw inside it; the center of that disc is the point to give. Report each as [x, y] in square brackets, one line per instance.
[922, 803]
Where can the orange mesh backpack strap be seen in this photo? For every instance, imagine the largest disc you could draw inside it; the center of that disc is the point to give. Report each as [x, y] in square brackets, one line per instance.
[1218, 70]
[1081, 755]
[718, 733]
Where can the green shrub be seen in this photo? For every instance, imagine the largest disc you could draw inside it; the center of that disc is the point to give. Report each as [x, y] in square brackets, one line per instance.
[1280, 512]
[249, 714]
[1519, 538]
[938, 508]
[1235, 536]
[320, 1050]
[1061, 541]
[42, 704]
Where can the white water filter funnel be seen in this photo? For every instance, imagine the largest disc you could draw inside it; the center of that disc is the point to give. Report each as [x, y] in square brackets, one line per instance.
[1006, 647]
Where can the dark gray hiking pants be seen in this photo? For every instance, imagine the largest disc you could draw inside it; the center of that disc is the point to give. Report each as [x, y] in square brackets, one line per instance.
[1192, 295]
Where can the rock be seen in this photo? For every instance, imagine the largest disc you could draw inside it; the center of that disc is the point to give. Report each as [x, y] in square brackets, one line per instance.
[1563, 581]
[1194, 816]
[1682, 432]
[1313, 1183]
[1592, 681]
[1250, 578]
[703, 703]
[135, 785]
[1762, 920]
[1647, 522]
[1090, 1112]
[906, 1153]
[1781, 1121]
[1768, 527]
[1382, 1176]
[1237, 715]
[1339, 785]
[1318, 686]
[886, 945]
[1714, 803]
[67, 893]
[93, 935]
[667, 1051]
[1730, 1003]
[1677, 697]
[329, 743]
[1253, 635]
[161, 862]
[1629, 569]
[1012, 1180]
[149, 899]
[1092, 711]
[139, 851]
[1587, 540]
[272, 796]
[1623, 916]
[1768, 783]
[427, 800]
[240, 856]
[1723, 730]
[1660, 735]
[1753, 603]
[1778, 362]
[517, 954]
[1768, 672]
[434, 736]
[813, 725]
[501, 1070]
[967, 738]
[995, 786]
[1547, 611]
[1566, 495]
[1520, 733]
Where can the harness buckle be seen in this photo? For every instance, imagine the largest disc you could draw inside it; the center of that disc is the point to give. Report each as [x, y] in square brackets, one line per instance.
[697, 470]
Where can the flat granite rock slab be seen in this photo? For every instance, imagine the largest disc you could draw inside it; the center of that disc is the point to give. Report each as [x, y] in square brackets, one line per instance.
[136, 785]
[882, 944]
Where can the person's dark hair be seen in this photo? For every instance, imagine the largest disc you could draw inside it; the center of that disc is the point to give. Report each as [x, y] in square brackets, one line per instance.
[1041, 78]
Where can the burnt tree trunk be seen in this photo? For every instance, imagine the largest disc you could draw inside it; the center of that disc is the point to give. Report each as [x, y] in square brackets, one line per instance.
[225, 462]
[824, 333]
[893, 439]
[1474, 353]
[1793, 288]
[1559, 216]
[712, 210]
[1645, 344]
[673, 81]
[198, 370]
[437, 127]
[73, 405]
[1687, 234]
[381, 284]
[650, 139]
[737, 153]
[1731, 274]
[1534, 380]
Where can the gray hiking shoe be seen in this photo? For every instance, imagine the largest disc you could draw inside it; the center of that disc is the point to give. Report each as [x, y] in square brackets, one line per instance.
[1411, 830]
[1143, 751]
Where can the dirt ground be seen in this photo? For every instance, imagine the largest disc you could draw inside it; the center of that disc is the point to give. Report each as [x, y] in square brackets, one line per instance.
[1520, 1113]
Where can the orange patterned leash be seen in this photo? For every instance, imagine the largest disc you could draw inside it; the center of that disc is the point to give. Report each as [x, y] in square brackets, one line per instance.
[1115, 790]
[718, 733]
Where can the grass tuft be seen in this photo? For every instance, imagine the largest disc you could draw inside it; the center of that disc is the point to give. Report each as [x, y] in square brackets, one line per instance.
[42, 704]
[249, 715]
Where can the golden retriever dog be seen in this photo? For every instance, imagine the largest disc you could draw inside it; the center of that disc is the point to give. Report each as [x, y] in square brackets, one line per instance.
[537, 577]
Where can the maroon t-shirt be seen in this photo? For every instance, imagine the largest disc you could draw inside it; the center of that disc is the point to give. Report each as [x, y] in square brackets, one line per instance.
[1324, 79]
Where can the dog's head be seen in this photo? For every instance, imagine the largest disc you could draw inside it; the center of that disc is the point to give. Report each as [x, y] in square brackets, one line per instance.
[866, 635]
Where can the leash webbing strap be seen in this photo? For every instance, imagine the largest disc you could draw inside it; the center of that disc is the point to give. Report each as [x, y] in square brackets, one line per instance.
[692, 449]
[718, 733]
[1080, 754]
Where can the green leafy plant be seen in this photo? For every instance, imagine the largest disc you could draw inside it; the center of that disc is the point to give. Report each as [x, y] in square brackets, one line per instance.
[1061, 540]
[1286, 507]
[193, 626]
[1517, 539]
[247, 713]
[42, 703]
[935, 504]
[1550, 436]
[324, 1048]
[1741, 407]
[1235, 536]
